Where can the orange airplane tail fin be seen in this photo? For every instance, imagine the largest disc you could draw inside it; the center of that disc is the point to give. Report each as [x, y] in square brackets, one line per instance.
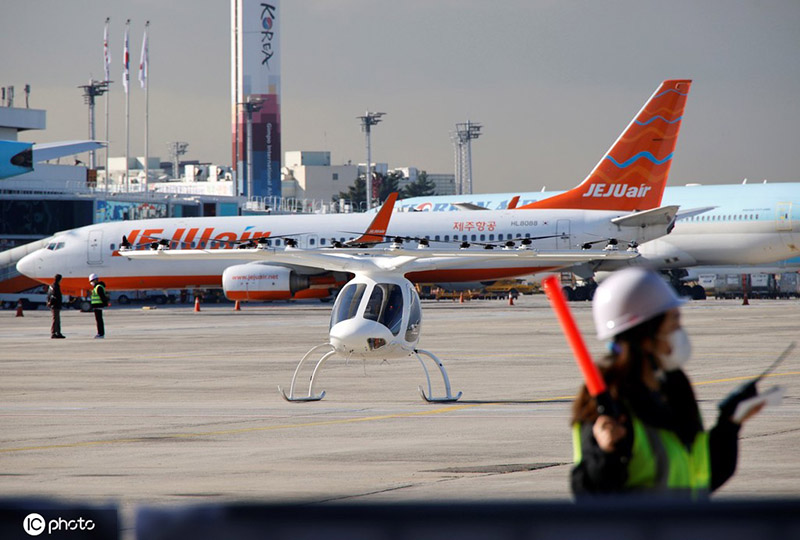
[376, 232]
[633, 173]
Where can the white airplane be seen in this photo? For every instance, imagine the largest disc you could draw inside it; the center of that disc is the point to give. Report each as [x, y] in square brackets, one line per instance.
[618, 202]
[377, 314]
[744, 224]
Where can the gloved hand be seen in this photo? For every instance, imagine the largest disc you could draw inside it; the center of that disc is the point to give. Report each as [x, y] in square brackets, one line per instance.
[728, 405]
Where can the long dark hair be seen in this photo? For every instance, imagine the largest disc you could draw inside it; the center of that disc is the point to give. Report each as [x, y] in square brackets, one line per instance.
[622, 372]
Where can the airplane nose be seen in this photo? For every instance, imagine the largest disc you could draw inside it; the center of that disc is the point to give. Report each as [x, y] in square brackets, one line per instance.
[27, 265]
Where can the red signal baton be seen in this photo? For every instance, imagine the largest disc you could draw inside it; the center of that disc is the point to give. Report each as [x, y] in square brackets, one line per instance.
[591, 375]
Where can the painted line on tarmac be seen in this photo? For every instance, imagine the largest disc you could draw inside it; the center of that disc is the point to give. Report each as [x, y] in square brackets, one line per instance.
[746, 378]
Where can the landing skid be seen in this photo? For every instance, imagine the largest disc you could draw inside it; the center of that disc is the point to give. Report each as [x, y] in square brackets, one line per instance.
[311, 396]
[330, 351]
[449, 397]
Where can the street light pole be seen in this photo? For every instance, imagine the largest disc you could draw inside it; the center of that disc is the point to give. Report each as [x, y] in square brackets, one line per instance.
[367, 121]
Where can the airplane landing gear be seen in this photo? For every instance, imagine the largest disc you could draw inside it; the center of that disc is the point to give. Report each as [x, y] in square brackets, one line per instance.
[331, 351]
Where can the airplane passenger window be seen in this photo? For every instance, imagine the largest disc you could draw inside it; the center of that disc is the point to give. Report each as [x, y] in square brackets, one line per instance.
[447, 238]
[322, 241]
[473, 237]
[347, 302]
[278, 242]
[483, 237]
[112, 247]
[491, 237]
[436, 237]
[312, 241]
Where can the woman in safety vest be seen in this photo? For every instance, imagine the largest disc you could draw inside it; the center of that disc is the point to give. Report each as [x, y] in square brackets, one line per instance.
[657, 443]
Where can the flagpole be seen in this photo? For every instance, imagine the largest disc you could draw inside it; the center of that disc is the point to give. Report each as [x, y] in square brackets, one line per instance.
[144, 75]
[126, 83]
[107, 65]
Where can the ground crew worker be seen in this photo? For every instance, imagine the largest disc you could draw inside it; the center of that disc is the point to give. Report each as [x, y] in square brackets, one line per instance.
[55, 303]
[657, 443]
[98, 301]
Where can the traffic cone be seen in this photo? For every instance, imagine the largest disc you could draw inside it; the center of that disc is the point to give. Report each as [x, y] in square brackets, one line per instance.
[745, 302]
[19, 308]
[510, 299]
[197, 303]
[461, 298]
[237, 307]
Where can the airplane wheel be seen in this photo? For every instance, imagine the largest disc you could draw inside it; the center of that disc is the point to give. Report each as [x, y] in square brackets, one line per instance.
[698, 293]
[580, 294]
[569, 294]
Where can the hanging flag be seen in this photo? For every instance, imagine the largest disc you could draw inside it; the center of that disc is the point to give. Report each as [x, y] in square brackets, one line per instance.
[126, 74]
[106, 52]
[143, 61]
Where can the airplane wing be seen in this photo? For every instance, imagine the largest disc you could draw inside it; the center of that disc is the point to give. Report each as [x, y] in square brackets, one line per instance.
[512, 204]
[468, 206]
[647, 218]
[385, 259]
[691, 212]
[45, 151]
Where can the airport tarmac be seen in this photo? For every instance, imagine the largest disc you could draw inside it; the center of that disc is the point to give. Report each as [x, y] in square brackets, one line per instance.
[180, 407]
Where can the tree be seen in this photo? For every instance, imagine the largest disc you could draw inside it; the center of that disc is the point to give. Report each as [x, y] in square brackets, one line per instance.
[422, 187]
[384, 185]
[356, 193]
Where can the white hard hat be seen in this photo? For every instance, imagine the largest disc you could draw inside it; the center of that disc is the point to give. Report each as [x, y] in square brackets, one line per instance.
[92, 277]
[628, 298]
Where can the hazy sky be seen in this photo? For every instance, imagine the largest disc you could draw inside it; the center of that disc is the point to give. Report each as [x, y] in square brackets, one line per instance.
[552, 81]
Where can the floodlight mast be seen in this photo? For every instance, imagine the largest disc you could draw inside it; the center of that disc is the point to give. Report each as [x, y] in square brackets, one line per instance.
[462, 139]
[176, 150]
[367, 121]
[91, 91]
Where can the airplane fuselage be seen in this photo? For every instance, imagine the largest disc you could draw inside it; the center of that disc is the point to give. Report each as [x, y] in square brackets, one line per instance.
[750, 224]
[95, 248]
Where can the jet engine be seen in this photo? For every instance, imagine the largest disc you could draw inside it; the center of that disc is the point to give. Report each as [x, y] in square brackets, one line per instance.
[260, 282]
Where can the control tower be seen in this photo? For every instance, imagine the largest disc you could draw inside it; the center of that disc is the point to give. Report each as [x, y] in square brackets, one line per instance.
[255, 96]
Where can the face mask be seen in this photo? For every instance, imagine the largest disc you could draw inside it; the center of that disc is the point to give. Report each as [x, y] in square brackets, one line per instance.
[681, 350]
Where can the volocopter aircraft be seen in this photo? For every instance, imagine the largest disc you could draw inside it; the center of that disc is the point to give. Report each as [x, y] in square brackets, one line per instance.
[377, 314]
[618, 202]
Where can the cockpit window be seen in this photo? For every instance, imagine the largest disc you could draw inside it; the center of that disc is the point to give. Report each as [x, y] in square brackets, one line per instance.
[347, 303]
[414, 319]
[385, 306]
[54, 246]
